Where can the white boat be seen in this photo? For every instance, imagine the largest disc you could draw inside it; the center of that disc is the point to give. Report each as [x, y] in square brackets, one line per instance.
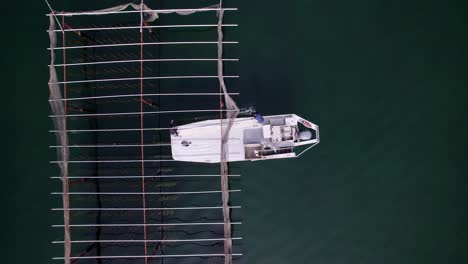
[250, 138]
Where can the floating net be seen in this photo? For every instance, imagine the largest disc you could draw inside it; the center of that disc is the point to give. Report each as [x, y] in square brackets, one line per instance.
[123, 197]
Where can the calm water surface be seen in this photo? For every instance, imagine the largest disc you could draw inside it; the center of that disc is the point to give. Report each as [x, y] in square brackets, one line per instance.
[385, 80]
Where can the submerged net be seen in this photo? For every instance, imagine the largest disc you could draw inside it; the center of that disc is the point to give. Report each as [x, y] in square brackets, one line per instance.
[58, 100]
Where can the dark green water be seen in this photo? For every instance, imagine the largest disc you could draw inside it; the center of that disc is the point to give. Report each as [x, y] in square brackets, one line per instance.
[386, 82]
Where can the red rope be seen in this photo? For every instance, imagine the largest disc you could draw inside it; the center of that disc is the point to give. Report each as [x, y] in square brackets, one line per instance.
[67, 26]
[150, 30]
[85, 252]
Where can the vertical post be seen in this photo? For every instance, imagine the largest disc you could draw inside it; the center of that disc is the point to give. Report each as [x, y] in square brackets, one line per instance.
[65, 180]
[224, 171]
[142, 141]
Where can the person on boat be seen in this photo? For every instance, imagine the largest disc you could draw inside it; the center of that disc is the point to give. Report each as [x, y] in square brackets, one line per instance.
[173, 130]
[259, 117]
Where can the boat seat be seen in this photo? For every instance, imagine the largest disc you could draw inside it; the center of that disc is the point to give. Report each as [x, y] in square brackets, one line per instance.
[253, 136]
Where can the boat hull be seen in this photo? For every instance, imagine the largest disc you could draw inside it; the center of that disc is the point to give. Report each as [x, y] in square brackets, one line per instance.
[273, 137]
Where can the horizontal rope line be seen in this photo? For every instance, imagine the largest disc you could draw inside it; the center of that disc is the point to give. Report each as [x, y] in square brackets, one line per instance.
[137, 145]
[143, 43]
[161, 11]
[110, 161]
[139, 27]
[148, 240]
[132, 225]
[111, 130]
[128, 161]
[137, 95]
[142, 113]
[132, 61]
[144, 78]
[145, 209]
[149, 256]
[138, 193]
[139, 177]
[112, 146]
